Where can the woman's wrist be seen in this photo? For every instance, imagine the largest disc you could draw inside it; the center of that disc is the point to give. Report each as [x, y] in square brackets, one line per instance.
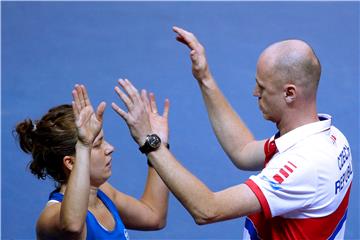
[82, 145]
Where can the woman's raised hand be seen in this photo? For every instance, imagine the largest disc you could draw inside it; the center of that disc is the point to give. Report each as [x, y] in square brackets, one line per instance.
[88, 123]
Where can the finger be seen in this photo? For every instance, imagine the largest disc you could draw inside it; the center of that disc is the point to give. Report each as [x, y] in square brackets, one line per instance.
[145, 100]
[80, 95]
[194, 56]
[119, 111]
[76, 98]
[86, 96]
[133, 92]
[187, 38]
[179, 30]
[153, 106]
[128, 89]
[128, 103]
[166, 108]
[75, 110]
[181, 35]
[181, 39]
[100, 111]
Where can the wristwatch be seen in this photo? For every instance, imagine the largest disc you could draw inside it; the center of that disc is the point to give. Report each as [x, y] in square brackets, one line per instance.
[152, 142]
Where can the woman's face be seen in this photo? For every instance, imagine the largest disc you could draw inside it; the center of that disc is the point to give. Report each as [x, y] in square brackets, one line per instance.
[100, 160]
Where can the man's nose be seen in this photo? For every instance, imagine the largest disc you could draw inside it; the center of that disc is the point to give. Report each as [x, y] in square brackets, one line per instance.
[256, 92]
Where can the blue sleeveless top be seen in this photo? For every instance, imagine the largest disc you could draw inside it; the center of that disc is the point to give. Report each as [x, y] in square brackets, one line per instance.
[93, 227]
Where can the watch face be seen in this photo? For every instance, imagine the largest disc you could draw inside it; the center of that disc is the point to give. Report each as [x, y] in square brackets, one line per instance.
[154, 141]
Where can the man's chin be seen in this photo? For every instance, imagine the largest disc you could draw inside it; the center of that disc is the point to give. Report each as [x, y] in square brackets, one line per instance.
[267, 117]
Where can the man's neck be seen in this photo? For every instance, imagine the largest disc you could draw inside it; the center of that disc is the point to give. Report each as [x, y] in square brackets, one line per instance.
[293, 120]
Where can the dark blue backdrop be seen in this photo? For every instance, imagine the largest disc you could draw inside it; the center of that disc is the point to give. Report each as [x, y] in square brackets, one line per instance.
[47, 47]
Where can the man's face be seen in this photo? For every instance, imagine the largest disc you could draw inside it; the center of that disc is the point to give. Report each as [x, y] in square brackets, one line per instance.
[269, 92]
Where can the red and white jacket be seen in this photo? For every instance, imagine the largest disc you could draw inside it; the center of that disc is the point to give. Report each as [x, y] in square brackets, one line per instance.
[304, 187]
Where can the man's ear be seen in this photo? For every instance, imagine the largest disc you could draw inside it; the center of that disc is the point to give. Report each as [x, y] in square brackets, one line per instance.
[289, 93]
[69, 162]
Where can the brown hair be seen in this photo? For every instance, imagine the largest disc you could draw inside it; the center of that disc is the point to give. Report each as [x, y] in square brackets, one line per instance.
[48, 140]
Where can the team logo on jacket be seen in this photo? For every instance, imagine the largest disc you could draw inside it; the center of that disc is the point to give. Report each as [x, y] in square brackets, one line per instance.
[284, 172]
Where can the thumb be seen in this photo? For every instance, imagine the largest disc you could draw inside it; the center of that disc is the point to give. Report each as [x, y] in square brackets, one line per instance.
[100, 111]
[194, 57]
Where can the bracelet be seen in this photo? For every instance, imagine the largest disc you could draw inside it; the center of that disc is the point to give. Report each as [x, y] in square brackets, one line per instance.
[148, 161]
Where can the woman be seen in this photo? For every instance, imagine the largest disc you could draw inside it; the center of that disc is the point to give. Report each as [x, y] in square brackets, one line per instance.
[68, 145]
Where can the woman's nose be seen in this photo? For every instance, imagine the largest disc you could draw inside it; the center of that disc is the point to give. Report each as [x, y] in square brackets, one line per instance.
[109, 148]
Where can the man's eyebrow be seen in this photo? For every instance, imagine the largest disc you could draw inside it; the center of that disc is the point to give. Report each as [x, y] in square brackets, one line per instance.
[258, 83]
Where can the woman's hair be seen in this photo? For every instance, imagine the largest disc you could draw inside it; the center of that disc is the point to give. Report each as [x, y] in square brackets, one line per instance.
[48, 140]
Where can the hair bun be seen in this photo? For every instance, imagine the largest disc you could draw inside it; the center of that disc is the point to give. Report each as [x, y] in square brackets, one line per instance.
[24, 131]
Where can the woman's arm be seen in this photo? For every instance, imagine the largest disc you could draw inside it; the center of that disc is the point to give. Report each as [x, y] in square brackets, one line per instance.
[67, 220]
[147, 213]
[150, 211]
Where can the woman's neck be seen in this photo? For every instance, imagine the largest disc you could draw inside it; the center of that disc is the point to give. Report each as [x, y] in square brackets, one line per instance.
[93, 200]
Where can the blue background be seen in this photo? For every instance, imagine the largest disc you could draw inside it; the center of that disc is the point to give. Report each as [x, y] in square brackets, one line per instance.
[47, 47]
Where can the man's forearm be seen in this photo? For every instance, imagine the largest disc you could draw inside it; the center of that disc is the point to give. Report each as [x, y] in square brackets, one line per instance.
[204, 205]
[230, 130]
[189, 190]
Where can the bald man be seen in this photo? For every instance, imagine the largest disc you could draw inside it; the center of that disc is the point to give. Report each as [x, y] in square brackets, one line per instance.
[302, 189]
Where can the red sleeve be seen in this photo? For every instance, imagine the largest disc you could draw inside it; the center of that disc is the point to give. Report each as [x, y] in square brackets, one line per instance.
[260, 196]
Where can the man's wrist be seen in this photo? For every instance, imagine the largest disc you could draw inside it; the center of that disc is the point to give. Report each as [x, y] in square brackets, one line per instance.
[167, 145]
[142, 140]
[207, 82]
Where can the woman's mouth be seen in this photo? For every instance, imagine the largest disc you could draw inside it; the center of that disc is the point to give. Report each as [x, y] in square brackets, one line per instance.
[109, 163]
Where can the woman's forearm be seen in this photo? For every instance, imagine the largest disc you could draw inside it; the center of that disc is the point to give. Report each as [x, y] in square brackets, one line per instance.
[156, 196]
[76, 197]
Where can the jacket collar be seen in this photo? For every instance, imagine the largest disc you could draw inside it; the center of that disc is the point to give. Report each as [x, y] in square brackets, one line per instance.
[294, 136]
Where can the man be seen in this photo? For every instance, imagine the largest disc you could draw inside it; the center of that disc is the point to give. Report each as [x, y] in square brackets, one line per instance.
[306, 173]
